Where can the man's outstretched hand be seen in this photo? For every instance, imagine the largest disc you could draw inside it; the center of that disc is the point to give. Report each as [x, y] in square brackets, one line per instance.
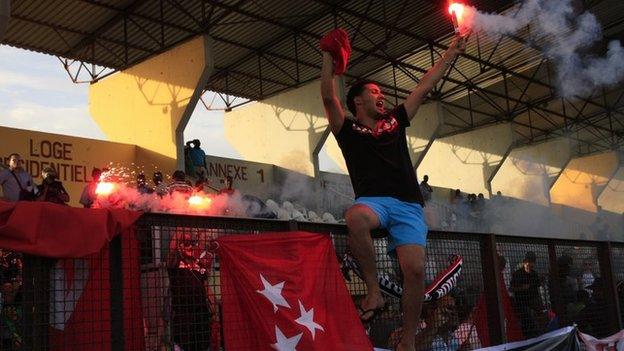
[336, 43]
[458, 45]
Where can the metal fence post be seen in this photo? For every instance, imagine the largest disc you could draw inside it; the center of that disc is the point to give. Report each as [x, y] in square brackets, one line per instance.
[606, 267]
[492, 283]
[555, 281]
[36, 302]
[116, 294]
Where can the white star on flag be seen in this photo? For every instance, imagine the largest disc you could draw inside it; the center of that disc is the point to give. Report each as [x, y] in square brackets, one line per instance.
[273, 293]
[283, 343]
[307, 320]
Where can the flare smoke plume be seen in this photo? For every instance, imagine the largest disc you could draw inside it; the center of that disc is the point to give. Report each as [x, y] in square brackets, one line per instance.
[567, 36]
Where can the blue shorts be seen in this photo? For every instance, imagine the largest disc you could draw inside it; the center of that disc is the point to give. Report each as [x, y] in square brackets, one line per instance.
[405, 221]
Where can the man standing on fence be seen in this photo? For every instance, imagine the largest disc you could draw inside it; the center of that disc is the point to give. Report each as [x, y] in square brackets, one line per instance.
[373, 143]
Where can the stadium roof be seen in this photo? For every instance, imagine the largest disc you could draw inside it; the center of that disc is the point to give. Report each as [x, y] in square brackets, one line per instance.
[264, 47]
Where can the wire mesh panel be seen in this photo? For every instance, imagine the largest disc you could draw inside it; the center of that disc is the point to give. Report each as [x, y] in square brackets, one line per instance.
[578, 274]
[160, 288]
[617, 258]
[11, 289]
[180, 278]
[526, 275]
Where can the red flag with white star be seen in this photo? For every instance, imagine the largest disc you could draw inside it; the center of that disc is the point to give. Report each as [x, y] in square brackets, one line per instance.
[284, 291]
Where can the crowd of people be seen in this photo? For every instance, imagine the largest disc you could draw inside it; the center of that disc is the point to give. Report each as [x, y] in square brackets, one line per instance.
[450, 324]
[529, 302]
[17, 184]
[460, 211]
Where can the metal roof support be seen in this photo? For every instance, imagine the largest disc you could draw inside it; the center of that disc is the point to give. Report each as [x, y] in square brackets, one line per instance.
[88, 40]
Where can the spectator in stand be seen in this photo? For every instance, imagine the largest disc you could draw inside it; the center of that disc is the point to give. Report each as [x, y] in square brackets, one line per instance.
[179, 184]
[441, 320]
[587, 276]
[159, 185]
[188, 268]
[456, 197]
[525, 283]
[437, 331]
[568, 284]
[17, 184]
[142, 186]
[574, 308]
[228, 189]
[189, 168]
[480, 202]
[198, 157]
[51, 189]
[88, 195]
[467, 332]
[425, 188]
[592, 319]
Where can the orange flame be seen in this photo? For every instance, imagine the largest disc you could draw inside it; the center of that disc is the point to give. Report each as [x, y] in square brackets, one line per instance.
[104, 188]
[456, 9]
[198, 201]
[457, 12]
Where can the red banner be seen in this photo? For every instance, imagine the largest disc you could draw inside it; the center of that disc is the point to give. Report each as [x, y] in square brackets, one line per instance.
[80, 282]
[284, 291]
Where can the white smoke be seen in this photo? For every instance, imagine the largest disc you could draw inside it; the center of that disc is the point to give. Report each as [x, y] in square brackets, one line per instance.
[566, 37]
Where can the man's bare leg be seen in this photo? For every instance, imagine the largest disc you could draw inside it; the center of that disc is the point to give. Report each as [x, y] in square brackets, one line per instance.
[360, 220]
[412, 261]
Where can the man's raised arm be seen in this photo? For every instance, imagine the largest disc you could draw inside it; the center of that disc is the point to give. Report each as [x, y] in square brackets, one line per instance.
[333, 109]
[433, 76]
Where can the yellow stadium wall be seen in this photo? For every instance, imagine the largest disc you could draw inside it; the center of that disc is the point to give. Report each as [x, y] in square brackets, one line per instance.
[282, 130]
[72, 157]
[580, 184]
[528, 172]
[149, 104]
[466, 160]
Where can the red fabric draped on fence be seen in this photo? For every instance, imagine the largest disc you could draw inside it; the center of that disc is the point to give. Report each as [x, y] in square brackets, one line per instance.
[80, 284]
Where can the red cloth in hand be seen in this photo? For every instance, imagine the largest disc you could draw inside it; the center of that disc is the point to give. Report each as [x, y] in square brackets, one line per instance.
[337, 44]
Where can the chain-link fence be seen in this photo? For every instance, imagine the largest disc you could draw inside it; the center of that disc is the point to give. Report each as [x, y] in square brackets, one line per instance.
[158, 288]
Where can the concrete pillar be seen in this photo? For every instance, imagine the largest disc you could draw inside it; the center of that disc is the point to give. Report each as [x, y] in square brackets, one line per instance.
[612, 197]
[465, 161]
[149, 104]
[528, 172]
[423, 131]
[283, 130]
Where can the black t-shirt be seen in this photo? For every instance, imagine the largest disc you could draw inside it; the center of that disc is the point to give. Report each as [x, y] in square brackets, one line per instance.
[378, 160]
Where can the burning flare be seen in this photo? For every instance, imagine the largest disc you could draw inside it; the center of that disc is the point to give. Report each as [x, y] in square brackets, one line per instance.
[104, 188]
[456, 10]
[199, 201]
